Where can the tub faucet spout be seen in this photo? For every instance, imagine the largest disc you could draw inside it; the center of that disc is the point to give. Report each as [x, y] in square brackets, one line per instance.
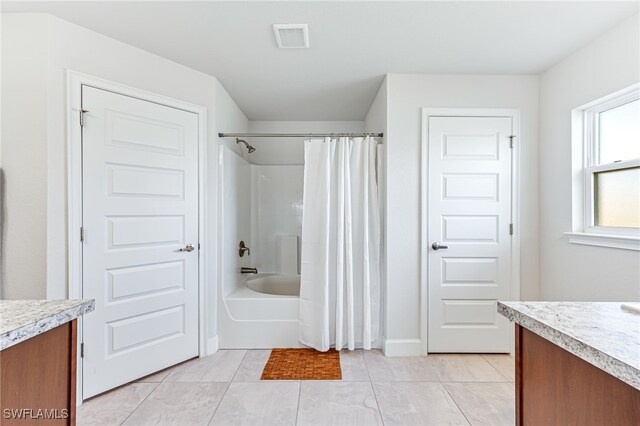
[244, 270]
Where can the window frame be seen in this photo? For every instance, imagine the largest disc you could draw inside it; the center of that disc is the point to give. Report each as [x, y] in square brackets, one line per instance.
[589, 197]
[585, 122]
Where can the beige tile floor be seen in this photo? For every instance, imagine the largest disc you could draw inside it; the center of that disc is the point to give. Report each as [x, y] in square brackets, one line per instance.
[225, 389]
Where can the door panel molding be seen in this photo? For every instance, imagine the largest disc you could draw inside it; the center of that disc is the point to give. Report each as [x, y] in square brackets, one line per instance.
[75, 81]
[425, 243]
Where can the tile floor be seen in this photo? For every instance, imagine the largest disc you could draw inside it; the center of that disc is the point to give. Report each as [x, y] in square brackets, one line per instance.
[225, 389]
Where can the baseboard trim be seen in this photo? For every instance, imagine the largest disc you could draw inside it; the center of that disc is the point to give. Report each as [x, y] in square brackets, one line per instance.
[402, 347]
[212, 345]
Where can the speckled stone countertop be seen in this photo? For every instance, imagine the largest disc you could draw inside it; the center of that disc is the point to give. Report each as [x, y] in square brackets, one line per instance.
[23, 319]
[602, 334]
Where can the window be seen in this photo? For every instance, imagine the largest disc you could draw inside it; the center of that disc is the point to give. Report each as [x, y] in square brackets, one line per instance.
[609, 146]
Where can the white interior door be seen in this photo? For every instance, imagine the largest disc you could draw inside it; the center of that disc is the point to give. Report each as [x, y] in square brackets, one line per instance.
[470, 166]
[140, 208]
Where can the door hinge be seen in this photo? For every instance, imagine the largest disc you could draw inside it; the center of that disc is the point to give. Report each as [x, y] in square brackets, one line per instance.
[81, 233]
[82, 112]
[198, 246]
[81, 350]
[511, 229]
[511, 138]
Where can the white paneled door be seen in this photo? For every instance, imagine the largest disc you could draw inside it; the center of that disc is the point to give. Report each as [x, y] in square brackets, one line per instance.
[469, 205]
[140, 247]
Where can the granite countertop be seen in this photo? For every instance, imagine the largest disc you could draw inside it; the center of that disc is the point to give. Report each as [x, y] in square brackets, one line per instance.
[601, 333]
[23, 319]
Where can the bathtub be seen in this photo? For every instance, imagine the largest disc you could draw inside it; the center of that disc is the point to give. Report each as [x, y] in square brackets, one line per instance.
[275, 284]
[262, 313]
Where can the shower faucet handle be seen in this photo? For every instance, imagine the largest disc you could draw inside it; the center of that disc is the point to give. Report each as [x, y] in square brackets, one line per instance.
[242, 248]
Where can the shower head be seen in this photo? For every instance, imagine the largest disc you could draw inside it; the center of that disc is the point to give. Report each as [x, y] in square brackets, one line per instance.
[249, 147]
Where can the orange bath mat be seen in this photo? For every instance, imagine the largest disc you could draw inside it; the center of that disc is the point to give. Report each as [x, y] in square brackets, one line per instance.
[302, 364]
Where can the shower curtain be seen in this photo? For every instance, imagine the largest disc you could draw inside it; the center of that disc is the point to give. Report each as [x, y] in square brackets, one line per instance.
[340, 270]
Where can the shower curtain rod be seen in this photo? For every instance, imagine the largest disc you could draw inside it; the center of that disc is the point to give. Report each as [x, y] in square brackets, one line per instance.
[297, 135]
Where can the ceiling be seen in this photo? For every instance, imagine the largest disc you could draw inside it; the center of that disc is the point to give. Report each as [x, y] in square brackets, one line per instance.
[352, 44]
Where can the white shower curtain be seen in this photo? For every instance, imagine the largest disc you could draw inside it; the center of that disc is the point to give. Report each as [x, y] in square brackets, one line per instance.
[340, 271]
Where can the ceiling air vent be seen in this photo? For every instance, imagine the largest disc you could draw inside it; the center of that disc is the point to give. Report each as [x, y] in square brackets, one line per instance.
[291, 36]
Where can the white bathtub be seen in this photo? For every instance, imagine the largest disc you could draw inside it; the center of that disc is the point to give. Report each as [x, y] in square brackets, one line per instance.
[275, 284]
[262, 313]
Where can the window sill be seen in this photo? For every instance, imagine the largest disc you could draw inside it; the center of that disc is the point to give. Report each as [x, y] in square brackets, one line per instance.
[601, 240]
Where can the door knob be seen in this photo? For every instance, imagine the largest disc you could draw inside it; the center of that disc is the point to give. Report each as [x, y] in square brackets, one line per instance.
[188, 248]
[437, 246]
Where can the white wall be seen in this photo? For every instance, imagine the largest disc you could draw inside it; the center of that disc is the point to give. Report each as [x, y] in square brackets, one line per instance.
[24, 157]
[569, 271]
[406, 96]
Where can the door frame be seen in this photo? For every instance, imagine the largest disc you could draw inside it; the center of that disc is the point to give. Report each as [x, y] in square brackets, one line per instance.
[75, 81]
[514, 114]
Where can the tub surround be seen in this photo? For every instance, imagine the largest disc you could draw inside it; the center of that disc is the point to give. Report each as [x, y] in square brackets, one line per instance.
[591, 349]
[23, 319]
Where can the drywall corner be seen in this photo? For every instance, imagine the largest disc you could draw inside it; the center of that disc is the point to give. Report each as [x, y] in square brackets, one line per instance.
[376, 118]
[229, 117]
